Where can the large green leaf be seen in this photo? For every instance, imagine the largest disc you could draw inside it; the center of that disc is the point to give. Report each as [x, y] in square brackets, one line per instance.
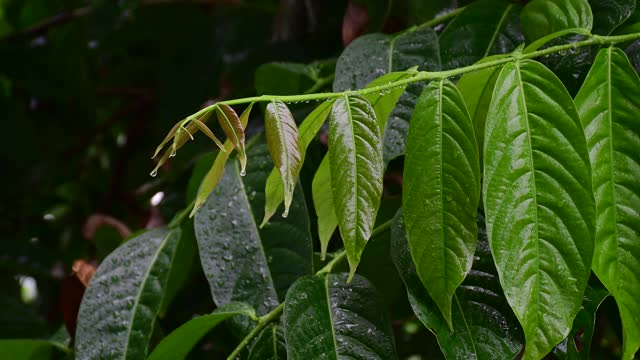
[355, 158]
[324, 205]
[371, 56]
[327, 318]
[441, 191]
[610, 14]
[609, 107]
[119, 308]
[484, 327]
[179, 343]
[282, 139]
[543, 17]
[310, 126]
[244, 263]
[576, 346]
[538, 201]
[269, 345]
[29, 349]
[476, 89]
[484, 28]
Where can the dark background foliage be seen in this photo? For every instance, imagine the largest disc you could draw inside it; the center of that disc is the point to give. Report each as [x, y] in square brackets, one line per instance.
[89, 88]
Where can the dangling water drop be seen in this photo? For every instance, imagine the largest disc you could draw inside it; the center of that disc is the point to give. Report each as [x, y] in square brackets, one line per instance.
[153, 173]
[173, 153]
[285, 213]
[243, 172]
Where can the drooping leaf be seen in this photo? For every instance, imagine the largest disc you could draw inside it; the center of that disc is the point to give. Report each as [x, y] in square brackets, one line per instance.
[609, 14]
[538, 201]
[371, 56]
[118, 310]
[242, 262]
[269, 345]
[476, 89]
[179, 342]
[310, 126]
[29, 349]
[484, 325]
[484, 28]
[234, 129]
[212, 178]
[327, 318]
[608, 107]
[543, 17]
[282, 138]
[441, 192]
[355, 158]
[576, 346]
[324, 205]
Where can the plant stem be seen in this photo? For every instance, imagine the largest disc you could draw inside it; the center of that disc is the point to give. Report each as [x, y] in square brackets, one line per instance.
[275, 313]
[444, 18]
[436, 75]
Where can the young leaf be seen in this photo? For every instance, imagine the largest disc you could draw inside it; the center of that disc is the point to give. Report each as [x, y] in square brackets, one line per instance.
[308, 129]
[371, 56]
[441, 191]
[242, 262]
[543, 17]
[538, 201]
[234, 129]
[327, 318]
[355, 155]
[179, 343]
[324, 205]
[270, 344]
[215, 173]
[119, 307]
[609, 107]
[484, 28]
[282, 138]
[484, 327]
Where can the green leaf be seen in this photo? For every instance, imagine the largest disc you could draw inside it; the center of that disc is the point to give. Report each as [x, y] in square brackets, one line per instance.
[484, 28]
[610, 14]
[543, 17]
[609, 108]
[308, 129]
[441, 192]
[270, 344]
[384, 102]
[484, 325]
[371, 56]
[29, 349]
[355, 158]
[282, 138]
[327, 318]
[538, 201]
[280, 78]
[119, 308]
[324, 205]
[234, 129]
[212, 178]
[242, 262]
[476, 89]
[551, 37]
[421, 11]
[179, 343]
[577, 344]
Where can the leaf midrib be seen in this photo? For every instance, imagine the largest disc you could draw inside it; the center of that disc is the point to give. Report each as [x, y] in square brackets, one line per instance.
[503, 18]
[333, 333]
[283, 148]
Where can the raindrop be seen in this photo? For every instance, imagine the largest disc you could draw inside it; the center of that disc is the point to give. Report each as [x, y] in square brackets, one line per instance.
[285, 213]
[228, 257]
[153, 173]
[243, 172]
[173, 154]
[234, 222]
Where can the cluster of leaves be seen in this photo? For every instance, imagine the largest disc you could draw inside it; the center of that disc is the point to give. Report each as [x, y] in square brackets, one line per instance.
[519, 178]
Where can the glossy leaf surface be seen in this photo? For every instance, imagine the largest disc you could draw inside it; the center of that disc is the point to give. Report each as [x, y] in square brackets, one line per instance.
[485, 27]
[543, 17]
[608, 105]
[538, 201]
[119, 307]
[441, 191]
[355, 158]
[371, 56]
[324, 205]
[244, 263]
[234, 129]
[327, 318]
[484, 325]
[179, 343]
[310, 126]
[282, 138]
[609, 14]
